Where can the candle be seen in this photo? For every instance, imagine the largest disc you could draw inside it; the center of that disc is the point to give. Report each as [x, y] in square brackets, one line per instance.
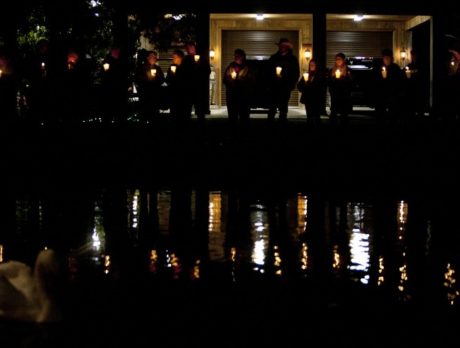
[197, 57]
[278, 71]
[173, 69]
[305, 76]
[338, 74]
[153, 72]
[384, 72]
[234, 74]
[106, 66]
[1, 72]
[1, 250]
[69, 66]
[408, 72]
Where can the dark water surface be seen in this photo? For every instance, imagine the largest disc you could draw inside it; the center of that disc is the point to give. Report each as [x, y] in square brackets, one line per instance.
[263, 235]
[237, 268]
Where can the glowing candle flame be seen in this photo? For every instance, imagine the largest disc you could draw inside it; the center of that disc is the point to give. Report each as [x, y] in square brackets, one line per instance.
[338, 74]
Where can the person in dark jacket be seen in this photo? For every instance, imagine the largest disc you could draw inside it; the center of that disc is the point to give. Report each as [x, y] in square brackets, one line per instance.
[179, 91]
[283, 76]
[198, 69]
[390, 82]
[114, 87]
[149, 79]
[340, 86]
[72, 88]
[312, 85]
[239, 82]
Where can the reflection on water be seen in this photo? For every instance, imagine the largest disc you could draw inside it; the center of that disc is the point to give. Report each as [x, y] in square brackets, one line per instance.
[304, 257]
[201, 235]
[450, 283]
[98, 233]
[403, 209]
[359, 241]
[381, 274]
[302, 209]
[260, 236]
[216, 235]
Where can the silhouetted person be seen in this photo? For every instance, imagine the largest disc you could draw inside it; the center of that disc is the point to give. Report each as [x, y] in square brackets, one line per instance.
[416, 87]
[149, 79]
[452, 90]
[239, 82]
[178, 80]
[37, 71]
[313, 88]
[340, 86]
[390, 81]
[198, 69]
[72, 89]
[114, 87]
[8, 90]
[283, 75]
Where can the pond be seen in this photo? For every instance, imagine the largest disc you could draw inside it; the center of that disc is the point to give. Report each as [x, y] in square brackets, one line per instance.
[188, 266]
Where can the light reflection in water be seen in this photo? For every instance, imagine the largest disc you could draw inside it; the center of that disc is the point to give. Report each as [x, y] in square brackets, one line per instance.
[173, 262]
[336, 263]
[381, 276]
[98, 233]
[450, 283]
[277, 261]
[259, 231]
[153, 264]
[233, 261]
[359, 243]
[107, 264]
[302, 209]
[133, 212]
[164, 207]
[216, 236]
[403, 276]
[304, 256]
[403, 209]
[196, 270]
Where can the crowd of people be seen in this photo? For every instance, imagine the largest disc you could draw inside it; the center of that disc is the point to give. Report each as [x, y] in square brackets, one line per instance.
[50, 88]
[396, 92]
[60, 88]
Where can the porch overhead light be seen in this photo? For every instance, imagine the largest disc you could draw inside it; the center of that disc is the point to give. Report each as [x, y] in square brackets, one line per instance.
[260, 17]
[358, 17]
